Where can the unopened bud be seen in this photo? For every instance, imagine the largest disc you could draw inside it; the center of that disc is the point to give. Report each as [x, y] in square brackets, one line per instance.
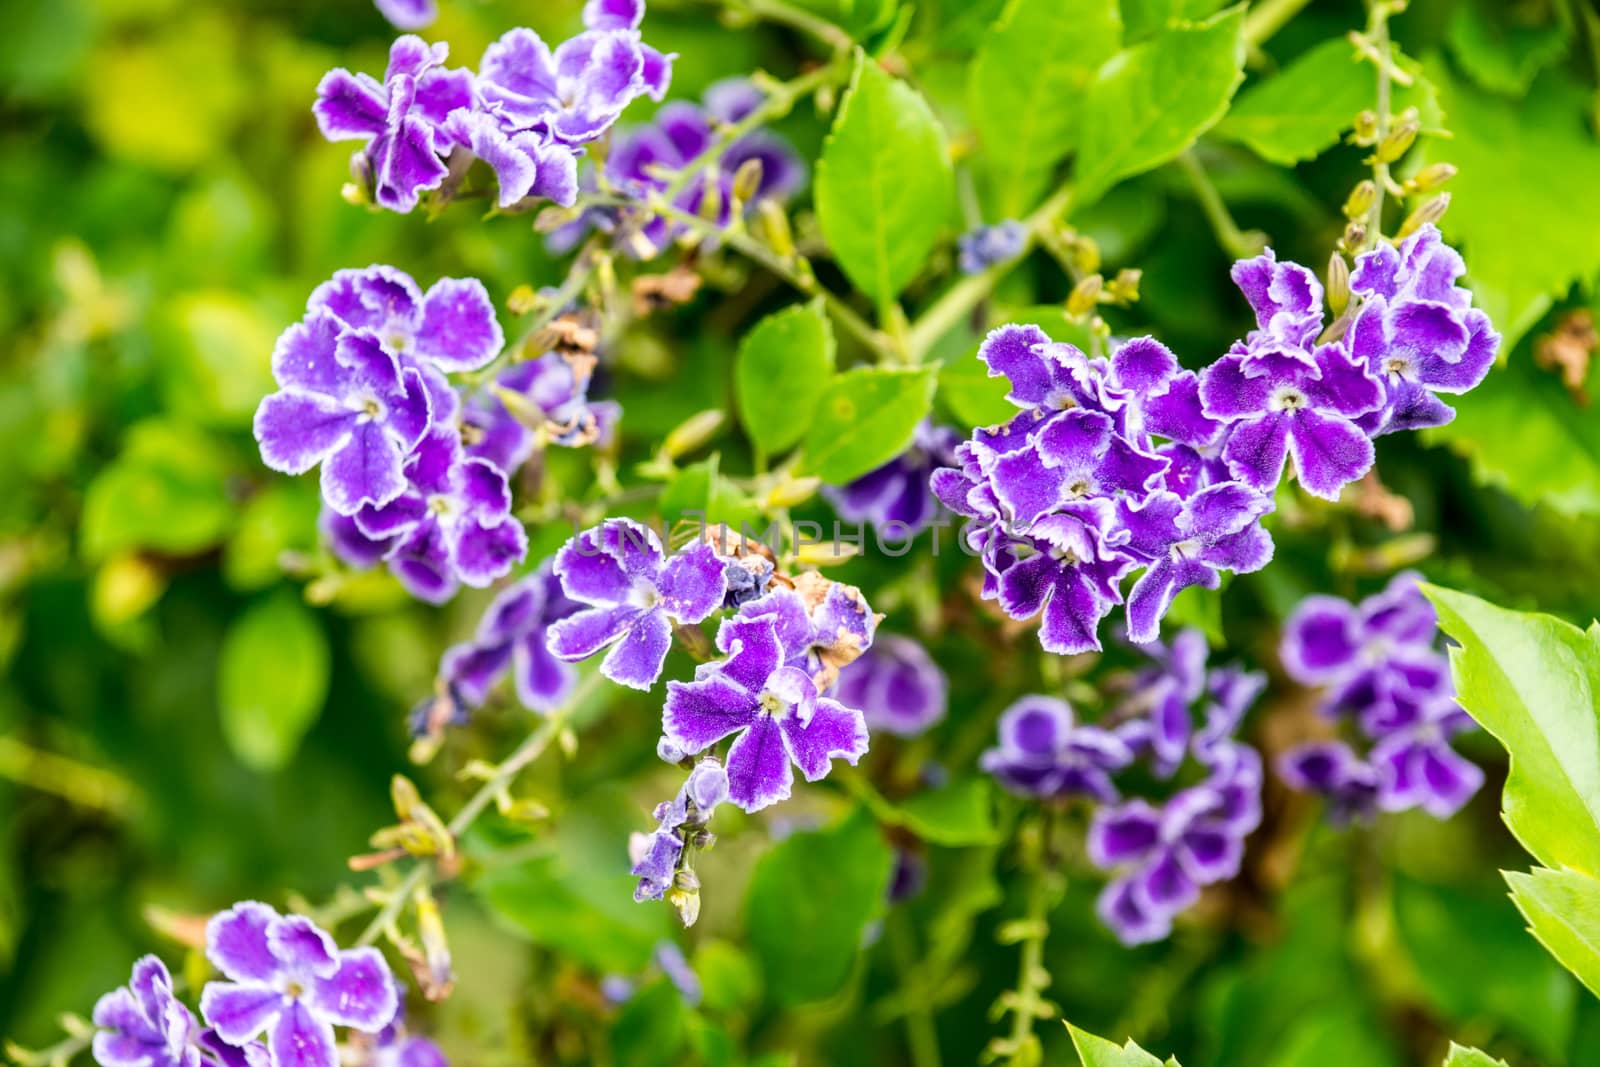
[687, 904]
[1366, 127]
[521, 408]
[354, 194]
[703, 840]
[825, 553]
[1124, 288]
[1338, 283]
[1084, 253]
[711, 201]
[1085, 295]
[434, 972]
[793, 491]
[747, 180]
[1360, 200]
[552, 218]
[1355, 235]
[523, 299]
[1430, 212]
[775, 229]
[1398, 142]
[693, 432]
[1432, 177]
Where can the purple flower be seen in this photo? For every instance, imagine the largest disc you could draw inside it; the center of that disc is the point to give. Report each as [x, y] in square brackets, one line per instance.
[897, 685]
[451, 328]
[578, 91]
[1332, 769]
[395, 1047]
[822, 625]
[897, 493]
[670, 959]
[346, 403]
[452, 523]
[144, 1024]
[986, 246]
[656, 855]
[349, 544]
[773, 709]
[512, 637]
[1157, 716]
[1069, 577]
[1417, 331]
[1416, 766]
[634, 594]
[400, 119]
[289, 979]
[559, 388]
[1287, 301]
[1043, 753]
[1360, 651]
[409, 14]
[1190, 542]
[526, 162]
[1281, 403]
[1164, 856]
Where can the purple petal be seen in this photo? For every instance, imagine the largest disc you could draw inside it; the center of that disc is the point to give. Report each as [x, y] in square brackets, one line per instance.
[236, 942]
[1256, 450]
[1228, 390]
[701, 713]
[365, 469]
[459, 330]
[1320, 640]
[833, 732]
[1448, 780]
[349, 107]
[693, 583]
[753, 648]
[300, 1039]
[360, 993]
[297, 430]
[584, 633]
[1008, 351]
[543, 682]
[758, 766]
[301, 947]
[1345, 385]
[240, 1012]
[1123, 835]
[637, 659]
[1129, 917]
[485, 552]
[1142, 365]
[304, 355]
[409, 14]
[1329, 452]
[1164, 885]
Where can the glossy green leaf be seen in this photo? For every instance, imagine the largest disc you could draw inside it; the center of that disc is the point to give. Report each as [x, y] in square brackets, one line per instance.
[1526, 167]
[700, 492]
[780, 373]
[865, 418]
[1026, 92]
[1141, 18]
[1098, 1052]
[1563, 912]
[272, 678]
[959, 813]
[1461, 1056]
[884, 183]
[810, 897]
[975, 398]
[1302, 110]
[281, 518]
[1533, 682]
[166, 492]
[1474, 961]
[1151, 101]
[1505, 46]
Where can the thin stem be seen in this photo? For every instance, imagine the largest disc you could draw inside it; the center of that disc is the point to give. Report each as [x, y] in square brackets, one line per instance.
[60, 1054]
[959, 300]
[1237, 243]
[922, 1038]
[533, 746]
[1267, 18]
[789, 15]
[1378, 34]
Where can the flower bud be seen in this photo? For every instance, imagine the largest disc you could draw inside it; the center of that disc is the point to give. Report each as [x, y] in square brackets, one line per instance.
[775, 228]
[792, 491]
[1432, 177]
[1355, 235]
[1124, 288]
[711, 201]
[1338, 288]
[668, 752]
[1432, 211]
[747, 180]
[1360, 200]
[523, 299]
[1085, 295]
[1366, 127]
[693, 432]
[1398, 141]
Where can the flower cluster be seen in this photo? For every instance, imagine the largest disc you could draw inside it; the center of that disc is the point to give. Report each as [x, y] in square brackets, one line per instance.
[363, 393]
[644, 159]
[895, 497]
[1381, 672]
[897, 685]
[527, 113]
[1176, 714]
[289, 985]
[1133, 463]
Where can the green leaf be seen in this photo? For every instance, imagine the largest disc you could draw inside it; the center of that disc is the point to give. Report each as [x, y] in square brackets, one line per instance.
[974, 397]
[810, 897]
[166, 492]
[1533, 682]
[280, 518]
[1474, 961]
[1026, 91]
[1505, 46]
[865, 418]
[1563, 912]
[1553, 458]
[1098, 1052]
[272, 678]
[1301, 111]
[1151, 101]
[959, 813]
[1200, 608]
[1526, 246]
[217, 349]
[884, 183]
[700, 487]
[1461, 1056]
[652, 1027]
[1144, 17]
[780, 373]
